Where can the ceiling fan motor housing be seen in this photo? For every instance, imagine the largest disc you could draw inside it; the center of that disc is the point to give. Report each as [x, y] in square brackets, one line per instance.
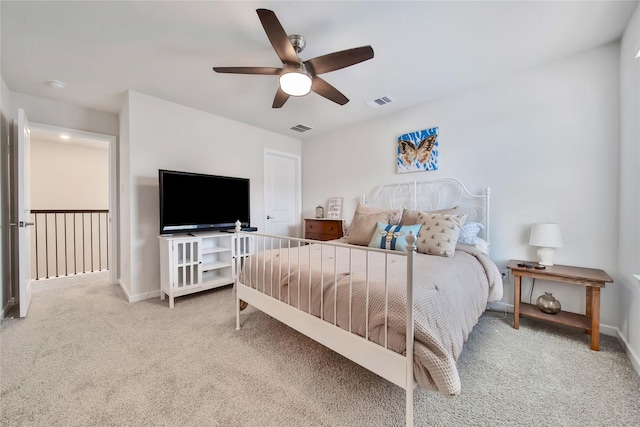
[298, 42]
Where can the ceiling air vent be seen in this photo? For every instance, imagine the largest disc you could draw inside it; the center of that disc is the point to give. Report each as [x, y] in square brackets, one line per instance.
[376, 103]
[301, 128]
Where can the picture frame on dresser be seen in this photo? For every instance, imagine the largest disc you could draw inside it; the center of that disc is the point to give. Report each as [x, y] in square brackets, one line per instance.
[334, 208]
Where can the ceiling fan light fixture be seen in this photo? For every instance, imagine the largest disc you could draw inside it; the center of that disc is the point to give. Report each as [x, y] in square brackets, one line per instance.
[295, 81]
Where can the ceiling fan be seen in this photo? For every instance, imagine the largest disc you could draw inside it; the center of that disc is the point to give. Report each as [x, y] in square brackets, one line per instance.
[297, 77]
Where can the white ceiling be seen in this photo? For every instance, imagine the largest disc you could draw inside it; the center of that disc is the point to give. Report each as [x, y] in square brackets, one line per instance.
[52, 137]
[423, 50]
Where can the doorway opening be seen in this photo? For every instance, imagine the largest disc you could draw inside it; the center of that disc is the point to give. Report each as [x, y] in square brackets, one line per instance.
[73, 201]
[69, 201]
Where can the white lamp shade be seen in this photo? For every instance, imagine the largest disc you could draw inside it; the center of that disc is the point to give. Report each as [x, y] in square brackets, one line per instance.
[546, 236]
[295, 83]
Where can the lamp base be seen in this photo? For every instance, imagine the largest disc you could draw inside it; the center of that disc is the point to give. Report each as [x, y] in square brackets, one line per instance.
[545, 256]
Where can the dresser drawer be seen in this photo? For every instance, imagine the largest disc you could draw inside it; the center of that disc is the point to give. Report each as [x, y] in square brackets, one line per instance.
[322, 229]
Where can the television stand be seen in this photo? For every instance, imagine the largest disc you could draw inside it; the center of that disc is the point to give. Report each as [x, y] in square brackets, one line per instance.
[197, 262]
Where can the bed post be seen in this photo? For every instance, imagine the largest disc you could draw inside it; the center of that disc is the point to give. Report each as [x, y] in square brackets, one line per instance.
[411, 248]
[238, 236]
[487, 194]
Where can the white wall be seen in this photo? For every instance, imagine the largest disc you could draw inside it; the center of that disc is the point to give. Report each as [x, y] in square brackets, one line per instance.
[546, 142]
[45, 111]
[164, 135]
[5, 131]
[629, 236]
[124, 197]
[66, 176]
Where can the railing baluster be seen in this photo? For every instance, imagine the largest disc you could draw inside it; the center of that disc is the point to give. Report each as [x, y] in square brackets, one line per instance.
[46, 243]
[91, 233]
[84, 252]
[55, 216]
[66, 273]
[62, 241]
[106, 230]
[75, 244]
[99, 244]
[35, 220]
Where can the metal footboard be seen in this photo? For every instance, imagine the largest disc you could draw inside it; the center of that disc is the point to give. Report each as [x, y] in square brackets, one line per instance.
[314, 299]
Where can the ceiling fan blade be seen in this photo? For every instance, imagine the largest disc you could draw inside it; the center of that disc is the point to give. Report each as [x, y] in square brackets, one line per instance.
[248, 70]
[280, 99]
[278, 37]
[323, 88]
[337, 60]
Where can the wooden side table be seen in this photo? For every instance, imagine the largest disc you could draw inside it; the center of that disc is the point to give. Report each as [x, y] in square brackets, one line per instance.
[592, 279]
[322, 229]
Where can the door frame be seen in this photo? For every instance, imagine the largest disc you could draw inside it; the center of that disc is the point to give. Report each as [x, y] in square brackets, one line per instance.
[298, 205]
[113, 186]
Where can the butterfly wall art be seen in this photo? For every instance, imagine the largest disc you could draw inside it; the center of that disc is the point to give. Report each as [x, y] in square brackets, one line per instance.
[418, 151]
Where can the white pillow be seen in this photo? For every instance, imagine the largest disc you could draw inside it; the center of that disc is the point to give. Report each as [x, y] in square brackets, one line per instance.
[482, 245]
[469, 233]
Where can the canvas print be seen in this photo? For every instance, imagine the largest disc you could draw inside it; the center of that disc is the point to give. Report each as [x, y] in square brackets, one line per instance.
[418, 151]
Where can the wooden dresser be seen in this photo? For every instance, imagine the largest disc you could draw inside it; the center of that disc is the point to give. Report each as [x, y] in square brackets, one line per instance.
[322, 229]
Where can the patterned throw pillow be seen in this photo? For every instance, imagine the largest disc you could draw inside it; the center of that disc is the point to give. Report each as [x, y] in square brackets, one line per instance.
[469, 233]
[410, 217]
[439, 233]
[364, 223]
[388, 236]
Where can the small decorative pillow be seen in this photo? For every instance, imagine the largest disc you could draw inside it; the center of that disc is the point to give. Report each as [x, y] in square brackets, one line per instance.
[364, 223]
[393, 237]
[482, 245]
[439, 233]
[469, 233]
[410, 217]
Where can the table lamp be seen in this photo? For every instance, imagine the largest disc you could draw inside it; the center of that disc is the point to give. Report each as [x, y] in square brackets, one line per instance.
[547, 237]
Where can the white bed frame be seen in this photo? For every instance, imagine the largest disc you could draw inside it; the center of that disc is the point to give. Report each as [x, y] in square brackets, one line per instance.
[424, 195]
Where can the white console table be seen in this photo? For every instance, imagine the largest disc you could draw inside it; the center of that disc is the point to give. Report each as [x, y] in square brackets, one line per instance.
[196, 263]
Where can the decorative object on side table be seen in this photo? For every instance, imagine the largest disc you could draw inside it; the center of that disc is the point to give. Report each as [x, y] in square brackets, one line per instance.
[547, 303]
[334, 208]
[547, 237]
[319, 212]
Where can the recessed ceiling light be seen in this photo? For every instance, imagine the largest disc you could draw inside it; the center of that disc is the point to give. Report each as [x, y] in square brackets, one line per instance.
[64, 136]
[638, 54]
[57, 84]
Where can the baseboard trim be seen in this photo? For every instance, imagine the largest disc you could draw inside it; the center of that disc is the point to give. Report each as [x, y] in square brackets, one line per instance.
[604, 329]
[124, 290]
[5, 310]
[633, 357]
[144, 296]
[138, 297]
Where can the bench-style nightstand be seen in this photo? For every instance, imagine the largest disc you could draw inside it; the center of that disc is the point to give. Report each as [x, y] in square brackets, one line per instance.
[592, 279]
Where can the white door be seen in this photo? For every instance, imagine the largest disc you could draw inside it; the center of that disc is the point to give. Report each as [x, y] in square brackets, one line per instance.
[24, 221]
[282, 193]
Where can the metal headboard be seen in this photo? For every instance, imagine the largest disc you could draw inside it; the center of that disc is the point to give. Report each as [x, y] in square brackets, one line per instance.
[434, 194]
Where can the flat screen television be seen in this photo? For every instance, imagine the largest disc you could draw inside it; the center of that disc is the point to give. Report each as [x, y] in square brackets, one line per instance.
[192, 202]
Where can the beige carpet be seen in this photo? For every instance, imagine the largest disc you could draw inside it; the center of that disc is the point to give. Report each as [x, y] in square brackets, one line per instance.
[86, 357]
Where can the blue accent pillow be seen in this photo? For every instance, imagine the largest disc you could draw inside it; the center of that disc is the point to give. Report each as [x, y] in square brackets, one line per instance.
[469, 232]
[389, 236]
